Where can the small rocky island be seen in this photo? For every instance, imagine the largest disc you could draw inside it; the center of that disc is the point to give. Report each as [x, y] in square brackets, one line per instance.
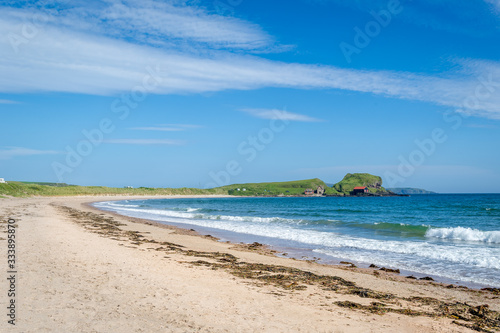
[360, 184]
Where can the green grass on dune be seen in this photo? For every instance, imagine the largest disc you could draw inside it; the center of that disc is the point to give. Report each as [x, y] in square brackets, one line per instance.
[28, 189]
[46, 183]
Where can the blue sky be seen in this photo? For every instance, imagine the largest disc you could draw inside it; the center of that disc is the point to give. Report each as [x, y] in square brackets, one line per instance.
[204, 93]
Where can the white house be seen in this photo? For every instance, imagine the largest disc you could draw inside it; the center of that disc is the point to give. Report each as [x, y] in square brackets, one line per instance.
[2, 181]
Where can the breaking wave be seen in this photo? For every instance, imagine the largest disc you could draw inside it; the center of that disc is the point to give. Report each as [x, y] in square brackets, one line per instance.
[465, 234]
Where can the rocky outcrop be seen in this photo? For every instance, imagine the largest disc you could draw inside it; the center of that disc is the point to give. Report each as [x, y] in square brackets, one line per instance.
[351, 180]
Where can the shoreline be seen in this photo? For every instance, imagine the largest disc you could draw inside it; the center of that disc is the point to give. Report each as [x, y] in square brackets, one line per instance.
[302, 254]
[268, 250]
[95, 270]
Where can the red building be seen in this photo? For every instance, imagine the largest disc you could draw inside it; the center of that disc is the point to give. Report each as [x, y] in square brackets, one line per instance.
[360, 189]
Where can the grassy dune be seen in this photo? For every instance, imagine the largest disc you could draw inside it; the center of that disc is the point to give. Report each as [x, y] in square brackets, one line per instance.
[22, 189]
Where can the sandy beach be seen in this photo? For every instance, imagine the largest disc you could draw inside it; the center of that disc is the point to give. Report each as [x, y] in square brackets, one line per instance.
[84, 270]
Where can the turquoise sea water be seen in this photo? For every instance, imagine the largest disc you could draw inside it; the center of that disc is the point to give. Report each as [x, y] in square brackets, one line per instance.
[455, 238]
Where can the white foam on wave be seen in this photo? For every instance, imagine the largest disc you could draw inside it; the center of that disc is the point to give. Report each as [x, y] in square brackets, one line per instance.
[478, 257]
[465, 234]
[457, 272]
[114, 204]
[190, 213]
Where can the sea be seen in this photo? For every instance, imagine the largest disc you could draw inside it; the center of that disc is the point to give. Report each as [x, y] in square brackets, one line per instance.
[453, 238]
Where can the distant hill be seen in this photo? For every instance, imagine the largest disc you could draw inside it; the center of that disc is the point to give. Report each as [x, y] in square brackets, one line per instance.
[296, 187]
[409, 190]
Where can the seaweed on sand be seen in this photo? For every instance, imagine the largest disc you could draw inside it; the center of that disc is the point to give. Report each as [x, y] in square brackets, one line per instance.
[479, 318]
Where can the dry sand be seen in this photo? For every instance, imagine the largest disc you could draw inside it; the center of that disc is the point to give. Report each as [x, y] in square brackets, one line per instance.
[78, 270]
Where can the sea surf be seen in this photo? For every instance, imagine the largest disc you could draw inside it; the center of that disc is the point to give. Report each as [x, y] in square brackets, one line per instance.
[453, 238]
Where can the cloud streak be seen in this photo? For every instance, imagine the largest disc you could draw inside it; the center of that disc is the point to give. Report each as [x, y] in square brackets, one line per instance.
[12, 152]
[167, 142]
[495, 3]
[279, 114]
[164, 129]
[167, 128]
[7, 101]
[62, 59]
[165, 23]
[153, 21]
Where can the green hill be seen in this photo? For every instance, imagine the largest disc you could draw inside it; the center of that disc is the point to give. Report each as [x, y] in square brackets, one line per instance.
[273, 189]
[351, 180]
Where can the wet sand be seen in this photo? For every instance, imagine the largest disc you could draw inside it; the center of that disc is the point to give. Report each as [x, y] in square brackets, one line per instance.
[84, 270]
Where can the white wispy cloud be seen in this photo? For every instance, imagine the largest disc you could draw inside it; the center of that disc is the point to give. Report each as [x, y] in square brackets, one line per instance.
[155, 20]
[495, 3]
[11, 152]
[146, 142]
[186, 126]
[7, 101]
[167, 127]
[160, 23]
[279, 114]
[62, 59]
